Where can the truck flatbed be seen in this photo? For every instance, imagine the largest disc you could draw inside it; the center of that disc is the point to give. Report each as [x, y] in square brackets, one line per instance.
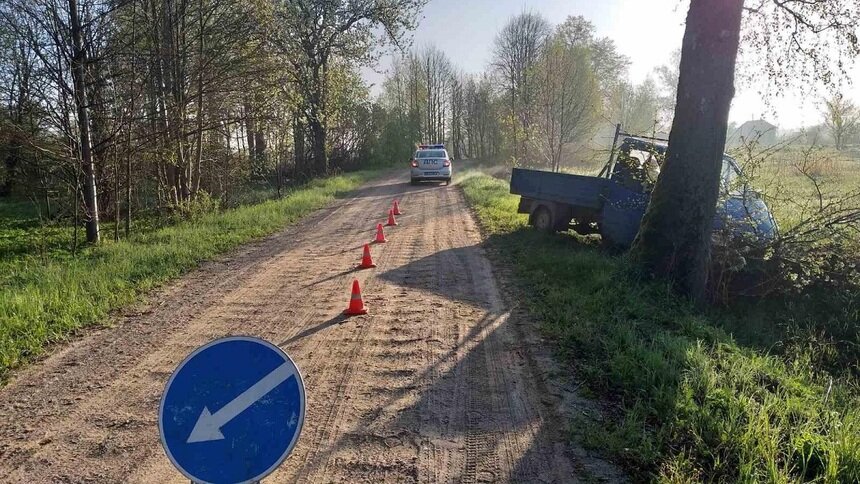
[581, 191]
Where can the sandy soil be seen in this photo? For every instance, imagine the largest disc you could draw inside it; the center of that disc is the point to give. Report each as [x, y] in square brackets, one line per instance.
[441, 382]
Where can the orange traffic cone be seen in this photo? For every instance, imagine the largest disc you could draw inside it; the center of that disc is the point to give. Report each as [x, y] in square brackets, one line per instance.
[380, 235]
[396, 208]
[356, 304]
[391, 220]
[366, 260]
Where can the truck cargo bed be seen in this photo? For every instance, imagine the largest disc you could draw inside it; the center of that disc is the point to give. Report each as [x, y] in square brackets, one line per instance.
[585, 192]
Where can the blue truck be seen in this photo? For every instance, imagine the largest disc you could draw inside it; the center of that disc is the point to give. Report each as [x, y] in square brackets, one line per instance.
[613, 203]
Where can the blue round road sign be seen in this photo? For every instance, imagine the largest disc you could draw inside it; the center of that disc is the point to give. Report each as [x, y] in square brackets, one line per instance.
[232, 411]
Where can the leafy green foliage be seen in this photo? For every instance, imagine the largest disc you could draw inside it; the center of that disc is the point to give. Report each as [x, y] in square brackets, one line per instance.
[567, 99]
[690, 402]
[348, 31]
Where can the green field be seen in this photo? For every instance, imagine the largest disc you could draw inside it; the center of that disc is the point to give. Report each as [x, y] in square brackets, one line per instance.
[792, 182]
[47, 293]
[735, 394]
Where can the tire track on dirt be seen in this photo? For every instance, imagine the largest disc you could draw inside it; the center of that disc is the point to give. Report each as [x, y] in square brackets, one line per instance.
[344, 372]
[338, 422]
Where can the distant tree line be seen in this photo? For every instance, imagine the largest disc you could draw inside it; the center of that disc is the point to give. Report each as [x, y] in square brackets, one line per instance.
[548, 89]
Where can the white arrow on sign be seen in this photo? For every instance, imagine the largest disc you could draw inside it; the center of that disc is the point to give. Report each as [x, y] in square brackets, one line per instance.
[208, 426]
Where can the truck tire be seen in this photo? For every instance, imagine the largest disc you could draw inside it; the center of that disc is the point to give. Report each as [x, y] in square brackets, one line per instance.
[542, 219]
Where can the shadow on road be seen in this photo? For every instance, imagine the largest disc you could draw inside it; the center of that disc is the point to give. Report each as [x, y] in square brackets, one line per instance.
[452, 273]
[475, 408]
[339, 319]
[332, 277]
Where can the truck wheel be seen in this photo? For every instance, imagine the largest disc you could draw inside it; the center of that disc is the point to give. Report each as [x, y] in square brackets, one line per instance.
[542, 220]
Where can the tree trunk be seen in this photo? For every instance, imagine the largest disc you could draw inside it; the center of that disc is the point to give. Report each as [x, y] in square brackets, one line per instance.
[259, 145]
[318, 141]
[131, 115]
[128, 183]
[162, 124]
[198, 161]
[13, 152]
[77, 218]
[174, 56]
[514, 121]
[85, 149]
[250, 129]
[11, 162]
[675, 237]
[279, 151]
[116, 206]
[299, 161]
[225, 184]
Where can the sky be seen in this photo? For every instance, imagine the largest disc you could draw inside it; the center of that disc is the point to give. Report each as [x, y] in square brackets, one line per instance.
[647, 31]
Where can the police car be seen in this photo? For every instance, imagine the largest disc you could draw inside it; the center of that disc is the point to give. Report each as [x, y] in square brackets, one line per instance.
[431, 163]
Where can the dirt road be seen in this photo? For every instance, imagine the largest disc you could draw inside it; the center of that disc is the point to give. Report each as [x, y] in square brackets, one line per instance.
[435, 385]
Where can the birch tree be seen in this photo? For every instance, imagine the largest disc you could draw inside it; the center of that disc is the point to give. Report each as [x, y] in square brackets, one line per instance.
[568, 99]
[516, 52]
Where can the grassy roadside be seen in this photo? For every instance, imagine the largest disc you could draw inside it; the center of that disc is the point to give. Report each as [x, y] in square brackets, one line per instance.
[43, 301]
[689, 403]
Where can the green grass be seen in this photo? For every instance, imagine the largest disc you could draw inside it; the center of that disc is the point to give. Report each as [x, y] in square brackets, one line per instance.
[45, 299]
[790, 193]
[686, 400]
[22, 234]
